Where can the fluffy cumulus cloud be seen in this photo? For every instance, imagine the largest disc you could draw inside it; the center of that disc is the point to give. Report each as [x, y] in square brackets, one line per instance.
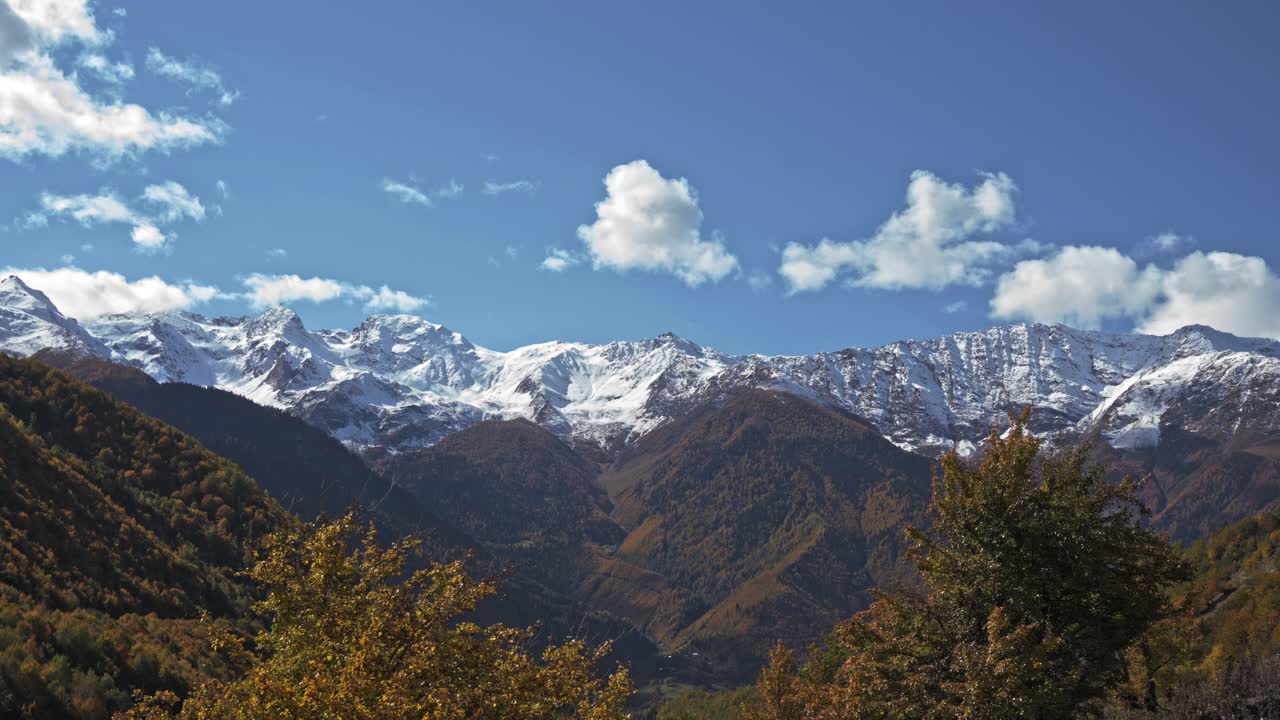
[86, 295]
[159, 205]
[648, 222]
[196, 76]
[265, 290]
[1083, 286]
[1080, 286]
[46, 111]
[1235, 293]
[928, 244]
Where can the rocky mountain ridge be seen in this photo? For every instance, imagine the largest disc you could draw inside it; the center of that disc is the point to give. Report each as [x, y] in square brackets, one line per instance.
[402, 382]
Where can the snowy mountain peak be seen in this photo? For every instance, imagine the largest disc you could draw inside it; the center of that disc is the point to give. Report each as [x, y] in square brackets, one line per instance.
[402, 381]
[29, 322]
[276, 320]
[16, 294]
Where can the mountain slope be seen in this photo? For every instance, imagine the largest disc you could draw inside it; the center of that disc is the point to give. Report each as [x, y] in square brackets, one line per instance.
[527, 495]
[1237, 592]
[304, 469]
[116, 532]
[772, 514]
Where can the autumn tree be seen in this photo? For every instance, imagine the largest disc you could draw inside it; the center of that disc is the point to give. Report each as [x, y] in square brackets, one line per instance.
[351, 636]
[1037, 576]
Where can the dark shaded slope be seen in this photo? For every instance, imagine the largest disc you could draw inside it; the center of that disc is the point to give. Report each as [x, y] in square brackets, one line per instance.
[307, 471]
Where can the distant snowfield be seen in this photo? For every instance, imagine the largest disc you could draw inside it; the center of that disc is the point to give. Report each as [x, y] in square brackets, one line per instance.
[400, 381]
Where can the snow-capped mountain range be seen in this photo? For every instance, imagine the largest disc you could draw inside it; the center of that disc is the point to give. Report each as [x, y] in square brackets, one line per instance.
[400, 381]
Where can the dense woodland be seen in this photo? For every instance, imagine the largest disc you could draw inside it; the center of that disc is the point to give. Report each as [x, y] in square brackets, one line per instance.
[137, 564]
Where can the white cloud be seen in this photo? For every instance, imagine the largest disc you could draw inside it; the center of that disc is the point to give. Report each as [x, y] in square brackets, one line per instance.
[224, 192]
[405, 193]
[558, 260]
[648, 222]
[492, 187]
[88, 210]
[113, 72]
[952, 308]
[409, 193]
[45, 111]
[925, 245]
[264, 290]
[1234, 293]
[277, 253]
[148, 238]
[170, 199]
[87, 295]
[451, 190]
[1165, 243]
[55, 21]
[1080, 286]
[384, 298]
[1083, 286]
[192, 73]
[174, 201]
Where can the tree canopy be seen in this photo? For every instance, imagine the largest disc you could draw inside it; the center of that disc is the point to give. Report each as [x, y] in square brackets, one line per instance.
[1037, 575]
[351, 635]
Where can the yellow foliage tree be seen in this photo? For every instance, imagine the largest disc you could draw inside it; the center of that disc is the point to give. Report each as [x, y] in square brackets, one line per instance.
[352, 637]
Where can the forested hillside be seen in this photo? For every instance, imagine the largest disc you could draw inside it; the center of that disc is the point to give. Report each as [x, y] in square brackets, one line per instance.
[117, 533]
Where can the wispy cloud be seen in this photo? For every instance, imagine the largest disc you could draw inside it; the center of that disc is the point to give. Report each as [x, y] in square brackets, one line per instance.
[410, 193]
[492, 187]
[115, 73]
[190, 72]
[759, 281]
[405, 193]
[559, 260]
[159, 205]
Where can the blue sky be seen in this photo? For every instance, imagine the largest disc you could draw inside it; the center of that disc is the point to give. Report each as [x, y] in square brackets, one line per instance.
[1105, 165]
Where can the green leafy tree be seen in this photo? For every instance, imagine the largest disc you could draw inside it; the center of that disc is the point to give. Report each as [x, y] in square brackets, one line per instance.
[351, 636]
[1037, 575]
